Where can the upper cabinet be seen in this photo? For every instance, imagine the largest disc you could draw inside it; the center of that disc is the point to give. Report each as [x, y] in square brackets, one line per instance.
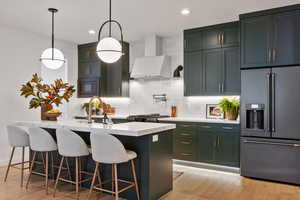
[269, 38]
[212, 61]
[96, 78]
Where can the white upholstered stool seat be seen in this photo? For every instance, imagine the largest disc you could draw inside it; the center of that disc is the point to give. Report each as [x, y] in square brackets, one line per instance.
[108, 149]
[41, 142]
[131, 154]
[71, 145]
[17, 137]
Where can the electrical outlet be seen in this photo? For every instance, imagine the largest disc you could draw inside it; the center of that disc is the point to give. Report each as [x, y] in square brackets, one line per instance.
[155, 138]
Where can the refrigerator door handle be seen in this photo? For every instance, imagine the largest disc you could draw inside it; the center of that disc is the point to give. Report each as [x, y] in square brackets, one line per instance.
[273, 102]
[268, 101]
[271, 143]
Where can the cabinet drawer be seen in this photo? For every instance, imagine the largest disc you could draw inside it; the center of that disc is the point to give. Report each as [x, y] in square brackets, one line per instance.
[184, 145]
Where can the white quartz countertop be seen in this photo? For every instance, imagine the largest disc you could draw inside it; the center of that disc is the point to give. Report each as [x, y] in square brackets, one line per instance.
[101, 116]
[134, 129]
[195, 119]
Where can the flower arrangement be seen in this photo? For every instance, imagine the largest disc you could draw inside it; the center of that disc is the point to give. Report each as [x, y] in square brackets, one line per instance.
[46, 95]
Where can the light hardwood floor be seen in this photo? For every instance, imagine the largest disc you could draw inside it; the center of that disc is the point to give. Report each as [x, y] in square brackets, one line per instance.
[194, 184]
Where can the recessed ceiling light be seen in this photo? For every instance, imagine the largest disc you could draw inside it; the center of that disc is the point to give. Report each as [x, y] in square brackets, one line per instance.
[92, 32]
[185, 11]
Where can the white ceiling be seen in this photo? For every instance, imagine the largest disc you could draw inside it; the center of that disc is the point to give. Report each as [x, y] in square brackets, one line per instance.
[139, 18]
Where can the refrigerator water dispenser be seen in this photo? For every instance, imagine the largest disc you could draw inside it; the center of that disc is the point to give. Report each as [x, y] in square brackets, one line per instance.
[255, 116]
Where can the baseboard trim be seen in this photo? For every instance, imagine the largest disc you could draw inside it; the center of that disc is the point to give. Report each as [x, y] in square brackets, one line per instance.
[207, 166]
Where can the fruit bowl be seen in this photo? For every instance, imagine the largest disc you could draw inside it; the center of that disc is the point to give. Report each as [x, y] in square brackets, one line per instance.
[52, 115]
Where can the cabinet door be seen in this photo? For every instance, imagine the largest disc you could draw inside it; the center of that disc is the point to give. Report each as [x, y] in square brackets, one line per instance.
[231, 35]
[112, 80]
[256, 41]
[211, 38]
[227, 149]
[89, 69]
[206, 145]
[88, 87]
[232, 75]
[213, 70]
[193, 74]
[286, 38]
[87, 52]
[192, 40]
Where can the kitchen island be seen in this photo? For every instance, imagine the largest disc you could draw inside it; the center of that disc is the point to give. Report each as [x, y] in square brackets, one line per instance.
[151, 141]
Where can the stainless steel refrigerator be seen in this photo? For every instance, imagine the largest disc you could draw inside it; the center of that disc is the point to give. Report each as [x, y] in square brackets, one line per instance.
[270, 124]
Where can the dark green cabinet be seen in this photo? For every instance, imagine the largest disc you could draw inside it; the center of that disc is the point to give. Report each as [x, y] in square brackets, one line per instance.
[270, 38]
[192, 40]
[97, 78]
[193, 71]
[213, 68]
[213, 71]
[207, 142]
[231, 71]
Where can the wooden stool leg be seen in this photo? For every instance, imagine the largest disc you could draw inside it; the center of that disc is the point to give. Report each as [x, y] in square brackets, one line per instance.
[94, 179]
[52, 166]
[77, 177]
[80, 175]
[135, 180]
[9, 163]
[47, 171]
[99, 176]
[58, 175]
[22, 164]
[31, 167]
[116, 181]
[68, 167]
[112, 178]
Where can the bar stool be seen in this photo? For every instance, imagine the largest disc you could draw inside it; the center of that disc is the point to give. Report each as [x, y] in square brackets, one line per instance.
[71, 145]
[17, 137]
[41, 142]
[107, 149]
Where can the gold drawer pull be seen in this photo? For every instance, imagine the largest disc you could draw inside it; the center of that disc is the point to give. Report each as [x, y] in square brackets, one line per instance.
[227, 128]
[185, 142]
[205, 127]
[186, 154]
[186, 126]
[185, 134]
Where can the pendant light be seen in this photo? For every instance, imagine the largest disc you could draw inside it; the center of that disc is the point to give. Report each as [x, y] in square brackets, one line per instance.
[52, 58]
[109, 49]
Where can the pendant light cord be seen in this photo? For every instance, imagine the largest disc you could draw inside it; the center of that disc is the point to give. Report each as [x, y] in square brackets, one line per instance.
[109, 18]
[52, 35]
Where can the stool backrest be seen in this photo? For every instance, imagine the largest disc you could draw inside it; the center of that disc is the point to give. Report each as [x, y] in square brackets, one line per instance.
[70, 144]
[107, 148]
[17, 137]
[41, 140]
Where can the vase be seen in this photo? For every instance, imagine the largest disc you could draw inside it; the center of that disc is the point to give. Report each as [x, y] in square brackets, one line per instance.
[231, 115]
[45, 108]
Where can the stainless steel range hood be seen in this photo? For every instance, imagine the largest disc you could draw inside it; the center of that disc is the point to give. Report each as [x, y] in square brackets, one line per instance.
[154, 65]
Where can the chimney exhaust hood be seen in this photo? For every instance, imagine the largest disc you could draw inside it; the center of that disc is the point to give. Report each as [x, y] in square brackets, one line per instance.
[154, 65]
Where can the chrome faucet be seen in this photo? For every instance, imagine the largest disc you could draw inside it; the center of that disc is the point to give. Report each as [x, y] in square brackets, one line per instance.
[90, 108]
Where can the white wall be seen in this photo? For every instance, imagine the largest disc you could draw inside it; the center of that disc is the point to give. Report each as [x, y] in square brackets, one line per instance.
[19, 59]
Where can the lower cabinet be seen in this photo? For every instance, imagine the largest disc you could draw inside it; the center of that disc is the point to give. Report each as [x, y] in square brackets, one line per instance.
[208, 143]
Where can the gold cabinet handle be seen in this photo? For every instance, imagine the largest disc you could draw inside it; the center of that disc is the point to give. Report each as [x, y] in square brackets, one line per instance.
[186, 154]
[218, 140]
[215, 141]
[227, 127]
[269, 55]
[274, 54]
[185, 126]
[185, 134]
[222, 39]
[205, 127]
[185, 142]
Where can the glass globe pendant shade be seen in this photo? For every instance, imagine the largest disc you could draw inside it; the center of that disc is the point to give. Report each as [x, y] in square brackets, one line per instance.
[55, 61]
[109, 50]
